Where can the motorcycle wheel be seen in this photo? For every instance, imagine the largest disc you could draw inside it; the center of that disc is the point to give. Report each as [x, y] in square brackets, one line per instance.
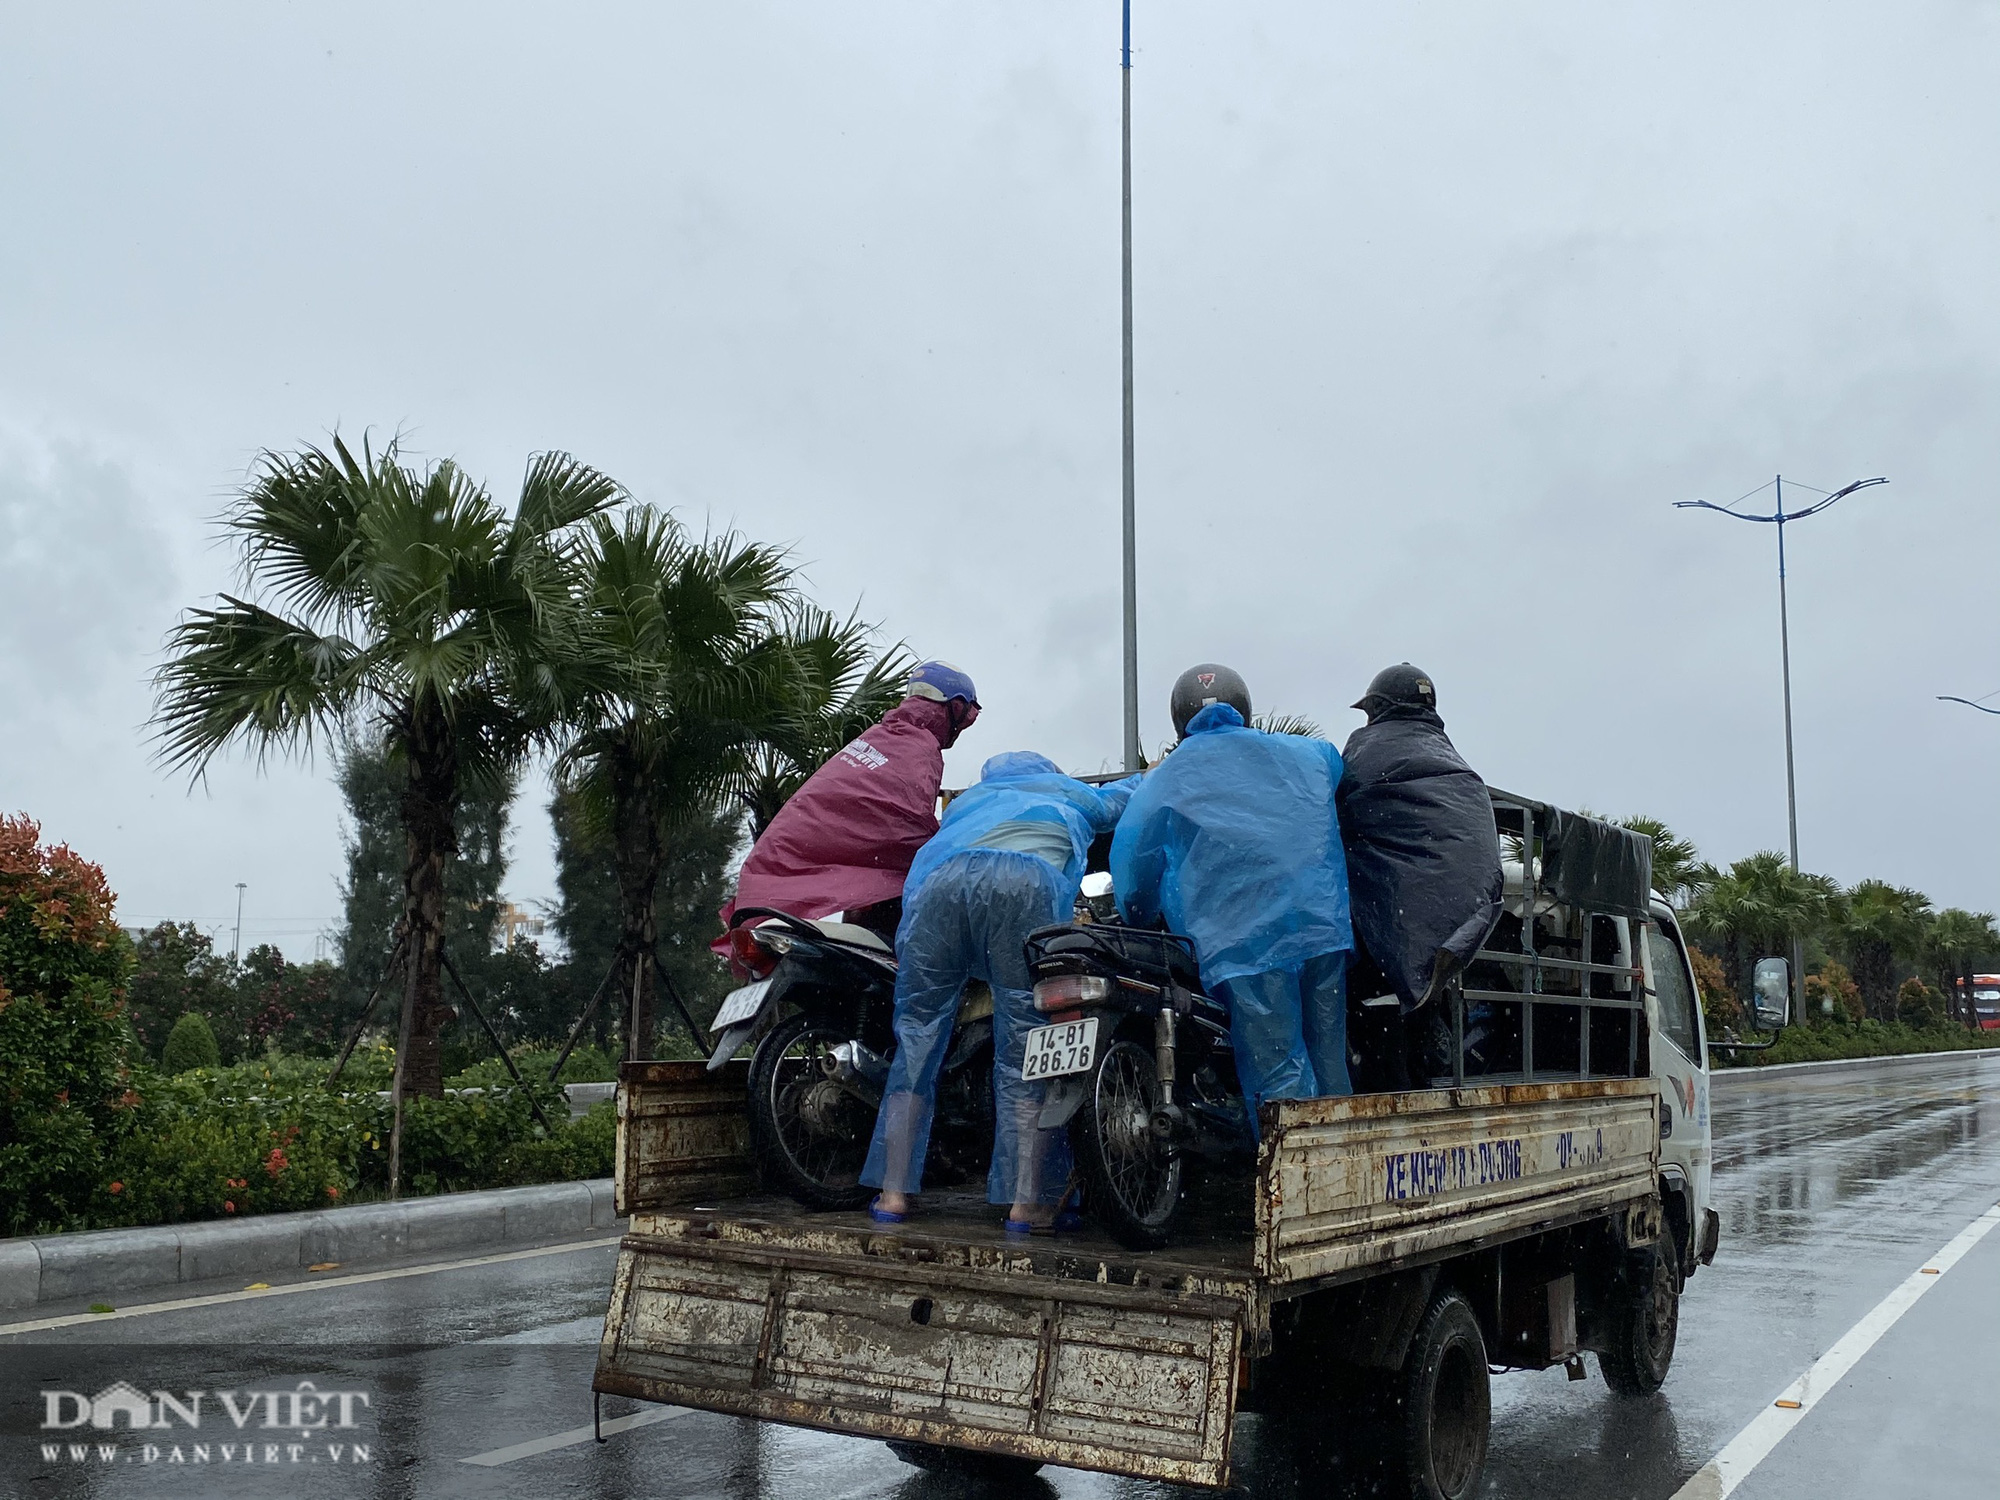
[810, 1135]
[1134, 1189]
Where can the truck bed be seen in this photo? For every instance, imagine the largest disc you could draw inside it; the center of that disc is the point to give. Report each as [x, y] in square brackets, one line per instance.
[1071, 1350]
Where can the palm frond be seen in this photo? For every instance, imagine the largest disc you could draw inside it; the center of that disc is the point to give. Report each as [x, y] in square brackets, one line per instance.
[243, 672]
[299, 521]
[557, 493]
[1298, 724]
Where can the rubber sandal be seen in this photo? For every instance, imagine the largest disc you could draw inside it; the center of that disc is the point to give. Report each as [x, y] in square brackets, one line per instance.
[882, 1215]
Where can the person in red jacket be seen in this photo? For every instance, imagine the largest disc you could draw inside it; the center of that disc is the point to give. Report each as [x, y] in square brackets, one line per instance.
[845, 840]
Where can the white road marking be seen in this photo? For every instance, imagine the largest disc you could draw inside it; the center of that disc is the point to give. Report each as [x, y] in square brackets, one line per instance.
[1750, 1447]
[575, 1435]
[140, 1310]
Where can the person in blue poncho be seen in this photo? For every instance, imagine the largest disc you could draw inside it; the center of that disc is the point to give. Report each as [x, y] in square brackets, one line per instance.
[1007, 859]
[1234, 841]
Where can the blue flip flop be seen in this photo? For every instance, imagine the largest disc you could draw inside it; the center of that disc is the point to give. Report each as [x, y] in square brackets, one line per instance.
[882, 1215]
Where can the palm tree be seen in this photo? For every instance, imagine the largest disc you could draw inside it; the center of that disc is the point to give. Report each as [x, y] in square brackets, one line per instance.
[1958, 941]
[1878, 924]
[682, 665]
[1283, 723]
[840, 686]
[1761, 904]
[1678, 872]
[375, 591]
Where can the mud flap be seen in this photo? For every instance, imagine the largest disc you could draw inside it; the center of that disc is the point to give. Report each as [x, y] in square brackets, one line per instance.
[1120, 1379]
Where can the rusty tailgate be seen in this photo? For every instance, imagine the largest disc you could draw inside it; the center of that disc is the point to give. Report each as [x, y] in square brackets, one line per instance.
[1123, 1379]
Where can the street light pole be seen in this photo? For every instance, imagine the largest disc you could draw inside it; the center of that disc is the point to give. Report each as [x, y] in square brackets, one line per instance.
[1778, 518]
[1785, 653]
[1134, 756]
[236, 945]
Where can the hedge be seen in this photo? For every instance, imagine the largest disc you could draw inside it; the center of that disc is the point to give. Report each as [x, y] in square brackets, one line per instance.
[232, 1142]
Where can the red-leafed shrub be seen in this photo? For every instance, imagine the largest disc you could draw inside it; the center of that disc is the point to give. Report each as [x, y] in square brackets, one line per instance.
[63, 1032]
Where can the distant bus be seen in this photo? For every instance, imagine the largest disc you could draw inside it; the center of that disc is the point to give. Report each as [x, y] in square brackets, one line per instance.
[1986, 1000]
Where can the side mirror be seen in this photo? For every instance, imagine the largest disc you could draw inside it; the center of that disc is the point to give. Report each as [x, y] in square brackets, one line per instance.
[1771, 998]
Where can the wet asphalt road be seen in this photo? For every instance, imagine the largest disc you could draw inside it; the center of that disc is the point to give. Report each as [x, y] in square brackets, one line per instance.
[1832, 1191]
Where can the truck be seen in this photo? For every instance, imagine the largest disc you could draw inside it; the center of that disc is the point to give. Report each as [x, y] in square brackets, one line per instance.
[1549, 1197]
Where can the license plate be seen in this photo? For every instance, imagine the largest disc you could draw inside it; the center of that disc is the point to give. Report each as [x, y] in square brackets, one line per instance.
[1066, 1047]
[740, 1005]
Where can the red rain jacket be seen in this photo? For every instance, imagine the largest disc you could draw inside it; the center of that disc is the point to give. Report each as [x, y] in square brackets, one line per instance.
[846, 838]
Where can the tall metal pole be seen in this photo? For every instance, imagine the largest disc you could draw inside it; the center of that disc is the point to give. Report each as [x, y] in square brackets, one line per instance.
[1134, 756]
[236, 945]
[1791, 774]
[1825, 502]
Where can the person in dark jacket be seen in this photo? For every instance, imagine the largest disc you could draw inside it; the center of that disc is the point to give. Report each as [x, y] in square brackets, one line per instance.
[1423, 864]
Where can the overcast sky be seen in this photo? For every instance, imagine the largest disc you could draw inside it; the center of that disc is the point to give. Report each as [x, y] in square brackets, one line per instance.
[1439, 307]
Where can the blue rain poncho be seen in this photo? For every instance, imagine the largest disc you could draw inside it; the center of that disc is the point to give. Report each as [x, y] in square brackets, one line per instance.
[1233, 840]
[1007, 859]
[1024, 802]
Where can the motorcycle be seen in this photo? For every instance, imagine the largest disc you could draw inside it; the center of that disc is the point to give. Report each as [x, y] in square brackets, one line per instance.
[820, 1004]
[1139, 1066]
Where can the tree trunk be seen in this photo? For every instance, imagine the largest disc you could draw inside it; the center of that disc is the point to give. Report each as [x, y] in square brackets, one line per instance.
[640, 854]
[429, 805]
[1871, 975]
[1746, 1001]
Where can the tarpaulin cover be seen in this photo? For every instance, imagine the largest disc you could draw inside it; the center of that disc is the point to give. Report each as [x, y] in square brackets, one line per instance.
[847, 837]
[1423, 858]
[1234, 840]
[1596, 865]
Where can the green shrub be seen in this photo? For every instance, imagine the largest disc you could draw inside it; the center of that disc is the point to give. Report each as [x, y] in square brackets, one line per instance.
[1919, 1006]
[1867, 1038]
[190, 1045]
[63, 1030]
[266, 1138]
[1833, 983]
[586, 1064]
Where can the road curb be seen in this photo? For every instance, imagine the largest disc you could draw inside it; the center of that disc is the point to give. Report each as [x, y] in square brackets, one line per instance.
[49, 1268]
[1851, 1064]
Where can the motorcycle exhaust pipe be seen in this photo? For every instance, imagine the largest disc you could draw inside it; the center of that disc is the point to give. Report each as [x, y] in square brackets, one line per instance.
[859, 1071]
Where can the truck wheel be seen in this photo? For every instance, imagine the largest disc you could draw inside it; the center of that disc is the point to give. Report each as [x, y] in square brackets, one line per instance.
[810, 1134]
[1643, 1327]
[998, 1467]
[1441, 1405]
[1133, 1187]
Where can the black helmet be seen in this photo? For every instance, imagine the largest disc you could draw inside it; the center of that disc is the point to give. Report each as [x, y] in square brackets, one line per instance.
[1400, 686]
[1208, 683]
